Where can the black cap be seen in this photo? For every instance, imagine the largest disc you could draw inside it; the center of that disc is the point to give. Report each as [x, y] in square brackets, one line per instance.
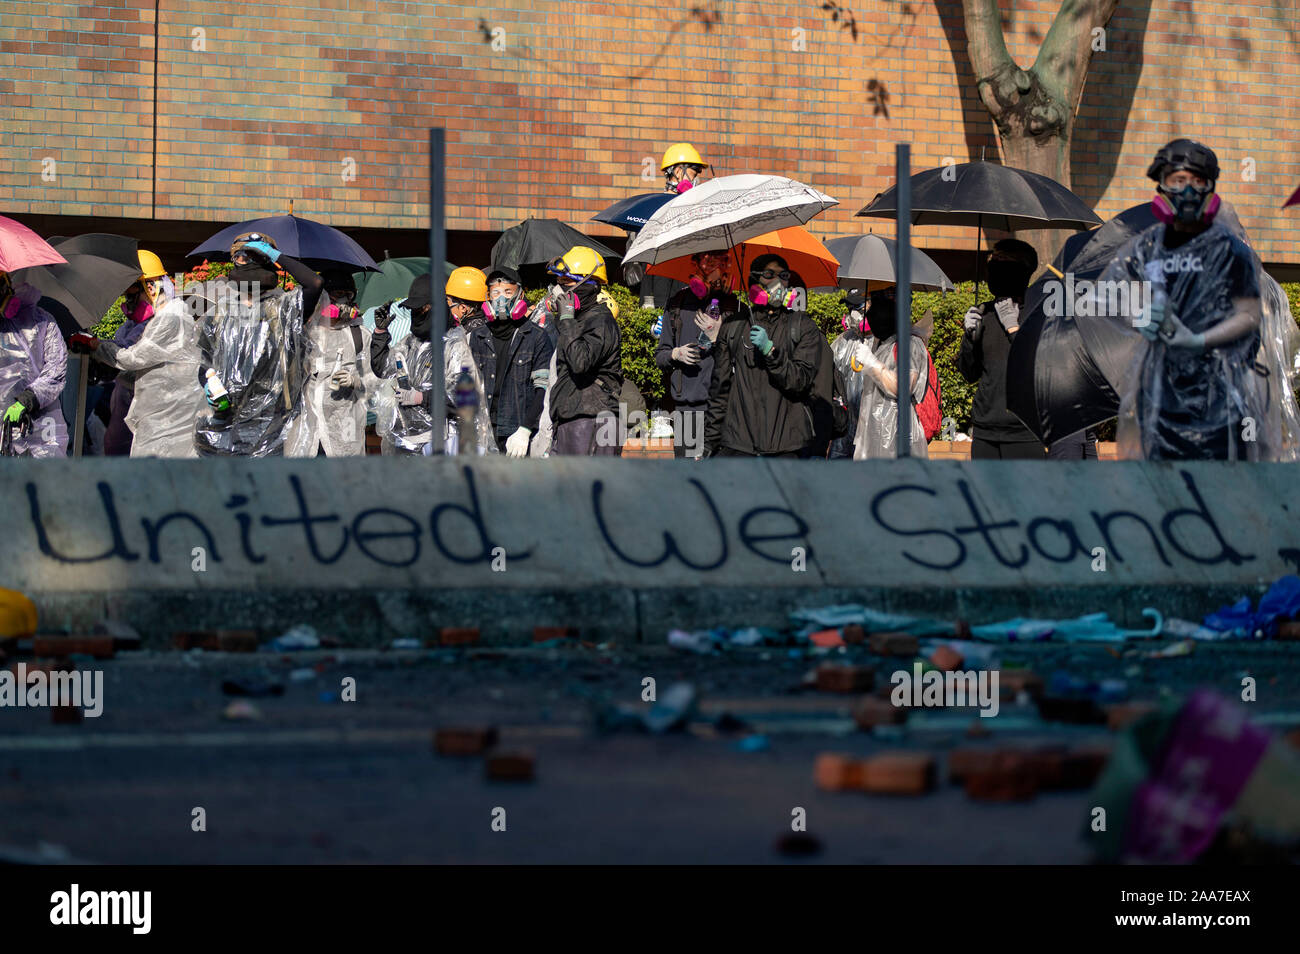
[1014, 250]
[855, 298]
[506, 272]
[418, 295]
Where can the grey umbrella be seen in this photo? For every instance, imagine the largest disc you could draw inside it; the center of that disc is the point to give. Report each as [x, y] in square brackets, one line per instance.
[867, 262]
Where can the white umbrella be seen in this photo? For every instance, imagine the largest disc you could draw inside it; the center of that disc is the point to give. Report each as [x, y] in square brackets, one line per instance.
[723, 212]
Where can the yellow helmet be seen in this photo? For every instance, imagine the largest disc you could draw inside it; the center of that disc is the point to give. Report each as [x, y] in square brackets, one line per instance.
[17, 614]
[582, 263]
[151, 265]
[681, 152]
[467, 283]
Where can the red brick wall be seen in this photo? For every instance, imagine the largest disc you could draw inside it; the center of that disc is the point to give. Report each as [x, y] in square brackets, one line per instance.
[559, 122]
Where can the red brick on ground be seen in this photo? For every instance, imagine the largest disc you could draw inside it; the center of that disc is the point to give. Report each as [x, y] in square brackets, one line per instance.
[899, 773]
[101, 647]
[458, 635]
[870, 712]
[836, 772]
[854, 634]
[510, 767]
[1010, 778]
[542, 634]
[947, 659]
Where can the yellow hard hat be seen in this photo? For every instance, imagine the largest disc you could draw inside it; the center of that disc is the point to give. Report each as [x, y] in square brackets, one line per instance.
[17, 614]
[467, 283]
[681, 152]
[151, 265]
[581, 262]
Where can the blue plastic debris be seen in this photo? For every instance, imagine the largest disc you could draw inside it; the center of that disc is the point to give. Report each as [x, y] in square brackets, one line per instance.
[753, 743]
[1282, 601]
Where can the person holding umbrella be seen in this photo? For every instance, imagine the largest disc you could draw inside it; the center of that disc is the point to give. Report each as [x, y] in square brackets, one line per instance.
[253, 355]
[513, 356]
[685, 349]
[33, 368]
[158, 360]
[765, 364]
[588, 356]
[988, 330]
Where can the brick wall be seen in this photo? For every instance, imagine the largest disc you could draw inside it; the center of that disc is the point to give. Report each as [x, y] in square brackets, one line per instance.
[560, 121]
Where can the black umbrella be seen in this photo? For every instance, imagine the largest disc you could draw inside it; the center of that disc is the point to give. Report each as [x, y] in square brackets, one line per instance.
[317, 244]
[987, 195]
[634, 211]
[1058, 377]
[534, 243]
[99, 267]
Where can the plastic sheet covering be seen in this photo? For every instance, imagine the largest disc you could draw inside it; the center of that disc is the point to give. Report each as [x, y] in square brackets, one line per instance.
[163, 360]
[33, 357]
[842, 352]
[336, 419]
[261, 352]
[877, 433]
[1231, 402]
[405, 430]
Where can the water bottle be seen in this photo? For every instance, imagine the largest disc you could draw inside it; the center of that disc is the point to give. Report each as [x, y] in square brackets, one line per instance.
[714, 311]
[217, 392]
[466, 396]
[403, 381]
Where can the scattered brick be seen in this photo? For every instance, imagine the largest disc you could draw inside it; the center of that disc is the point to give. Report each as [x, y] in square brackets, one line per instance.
[947, 659]
[854, 634]
[101, 647]
[1010, 778]
[458, 635]
[899, 773]
[510, 767]
[835, 772]
[1012, 682]
[870, 712]
[894, 644]
[962, 762]
[1123, 714]
[832, 677]
[826, 638]
[66, 715]
[464, 741]
[542, 634]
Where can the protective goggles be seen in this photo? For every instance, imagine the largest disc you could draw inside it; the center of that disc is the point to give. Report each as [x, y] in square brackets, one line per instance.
[236, 248]
[560, 269]
[768, 274]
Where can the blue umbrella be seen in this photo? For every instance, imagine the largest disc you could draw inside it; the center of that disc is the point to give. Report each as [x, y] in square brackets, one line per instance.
[633, 212]
[315, 243]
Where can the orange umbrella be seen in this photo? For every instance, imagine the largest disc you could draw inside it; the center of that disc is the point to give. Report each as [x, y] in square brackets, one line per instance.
[800, 249]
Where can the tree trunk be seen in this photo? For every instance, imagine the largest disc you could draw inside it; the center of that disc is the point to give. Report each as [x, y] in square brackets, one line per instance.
[1034, 108]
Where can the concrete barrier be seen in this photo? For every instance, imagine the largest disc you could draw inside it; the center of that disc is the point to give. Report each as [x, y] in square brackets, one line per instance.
[381, 547]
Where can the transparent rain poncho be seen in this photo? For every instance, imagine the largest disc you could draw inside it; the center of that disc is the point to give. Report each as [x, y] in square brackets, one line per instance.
[407, 429]
[261, 353]
[163, 362]
[34, 358]
[842, 349]
[877, 431]
[335, 420]
[1230, 402]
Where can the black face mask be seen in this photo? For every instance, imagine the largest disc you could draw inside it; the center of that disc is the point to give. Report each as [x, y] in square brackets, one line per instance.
[587, 293]
[1008, 279]
[262, 275]
[422, 323]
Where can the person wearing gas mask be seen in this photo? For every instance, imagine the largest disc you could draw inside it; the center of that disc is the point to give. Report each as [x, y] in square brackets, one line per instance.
[765, 362]
[987, 333]
[682, 167]
[513, 356]
[856, 330]
[875, 359]
[403, 409]
[254, 355]
[588, 375]
[685, 349]
[33, 368]
[1199, 385]
[339, 378]
[158, 358]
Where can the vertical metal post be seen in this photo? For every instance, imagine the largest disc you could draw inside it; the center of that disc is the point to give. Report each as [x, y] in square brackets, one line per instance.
[438, 300]
[79, 428]
[903, 296]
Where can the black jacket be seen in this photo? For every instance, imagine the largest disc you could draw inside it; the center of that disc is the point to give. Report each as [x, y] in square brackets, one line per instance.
[688, 384]
[588, 364]
[757, 404]
[983, 358]
[515, 400]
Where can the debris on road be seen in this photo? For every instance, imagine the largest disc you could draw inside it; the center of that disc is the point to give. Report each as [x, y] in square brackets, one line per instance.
[894, 644]
[544, 634]
[296, 638]
[510, 767]
[674, 708]
[241, 710]
[216, 640]
[458, 636]
[798, 844]
[899, 773]
[462, 741]
[101, 647]
[870, 712]
[836, 677]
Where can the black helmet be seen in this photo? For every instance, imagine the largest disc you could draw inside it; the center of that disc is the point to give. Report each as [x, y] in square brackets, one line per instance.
[1184, 154]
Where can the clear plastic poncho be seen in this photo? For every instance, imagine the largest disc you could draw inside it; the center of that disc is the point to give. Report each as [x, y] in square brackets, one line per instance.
[335, 420]
[261, 354]
[407, 429]
[877, 431]
[34, 358]
[163, 361]
[842, 349]
[1231, 402]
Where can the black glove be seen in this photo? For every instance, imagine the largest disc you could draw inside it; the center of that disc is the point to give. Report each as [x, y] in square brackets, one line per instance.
[383, 316]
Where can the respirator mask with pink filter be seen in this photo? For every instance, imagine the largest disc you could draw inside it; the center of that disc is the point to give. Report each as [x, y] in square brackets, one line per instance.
[505, 307]
[10, 303]
[769, 287]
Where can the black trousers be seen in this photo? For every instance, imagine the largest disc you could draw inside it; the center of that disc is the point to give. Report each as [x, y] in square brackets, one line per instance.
[981, 449]
[1080, 446]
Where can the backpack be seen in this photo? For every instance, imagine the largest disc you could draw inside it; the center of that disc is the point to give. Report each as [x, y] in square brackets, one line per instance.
[929, 410]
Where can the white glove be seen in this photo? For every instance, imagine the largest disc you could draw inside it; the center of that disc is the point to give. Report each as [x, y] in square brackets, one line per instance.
[708, 325]
[864, 359]
[409, 397]
[345, 378]
[972, 319]
[686, 354]
[1178, 335]
[517, 443]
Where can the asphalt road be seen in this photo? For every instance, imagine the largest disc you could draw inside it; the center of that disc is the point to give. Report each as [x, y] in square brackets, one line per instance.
[318, 780]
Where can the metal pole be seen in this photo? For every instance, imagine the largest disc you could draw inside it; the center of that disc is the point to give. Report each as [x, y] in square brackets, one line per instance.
[437, 255]
[903, 296]
[79, 430]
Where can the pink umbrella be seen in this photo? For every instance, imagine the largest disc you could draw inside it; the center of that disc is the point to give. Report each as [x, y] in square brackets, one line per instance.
[20, 247]
[1294, 200]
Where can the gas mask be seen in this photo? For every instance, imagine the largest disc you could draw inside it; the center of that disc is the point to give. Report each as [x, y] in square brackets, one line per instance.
[856, 320]
[9, 301]
[1188, 205]
[768, 288]
[504, 307]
